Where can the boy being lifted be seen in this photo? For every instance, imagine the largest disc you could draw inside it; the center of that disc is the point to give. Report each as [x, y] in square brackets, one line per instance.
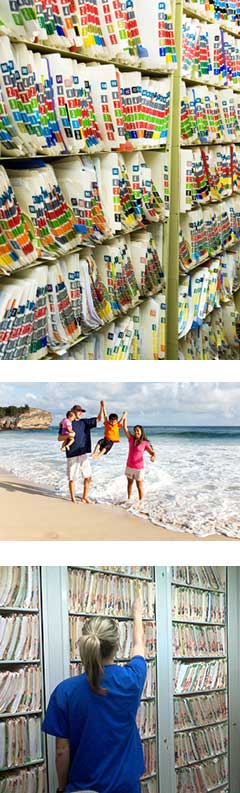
[111, 432]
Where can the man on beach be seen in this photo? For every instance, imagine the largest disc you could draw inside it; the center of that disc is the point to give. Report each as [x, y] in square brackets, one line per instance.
[77, 455]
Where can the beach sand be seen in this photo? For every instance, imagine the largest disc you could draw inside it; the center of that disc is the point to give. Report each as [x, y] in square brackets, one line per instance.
[31, 512]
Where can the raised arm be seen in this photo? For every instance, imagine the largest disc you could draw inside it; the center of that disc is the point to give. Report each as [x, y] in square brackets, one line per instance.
[62, 762]
[123, 416]
[102, 412]
[138, 632]
[125, 426]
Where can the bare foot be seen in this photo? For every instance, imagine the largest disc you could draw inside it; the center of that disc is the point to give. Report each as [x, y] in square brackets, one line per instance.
[94, 456]
[85, 500]
[74, 500]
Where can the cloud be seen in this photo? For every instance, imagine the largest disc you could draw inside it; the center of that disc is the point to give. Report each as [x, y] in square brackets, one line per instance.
[157, 403]
[31, 396]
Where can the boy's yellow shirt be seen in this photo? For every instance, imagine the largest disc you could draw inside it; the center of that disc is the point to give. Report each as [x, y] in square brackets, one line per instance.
[112, 431]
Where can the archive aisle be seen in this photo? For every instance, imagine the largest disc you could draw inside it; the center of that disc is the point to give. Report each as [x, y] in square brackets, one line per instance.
[119, 179]
[189, 712]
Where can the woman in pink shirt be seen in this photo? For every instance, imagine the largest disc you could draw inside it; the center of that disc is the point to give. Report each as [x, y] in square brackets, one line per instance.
[138, 444]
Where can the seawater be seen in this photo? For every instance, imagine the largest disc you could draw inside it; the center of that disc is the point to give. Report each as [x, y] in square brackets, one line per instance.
[193, 486]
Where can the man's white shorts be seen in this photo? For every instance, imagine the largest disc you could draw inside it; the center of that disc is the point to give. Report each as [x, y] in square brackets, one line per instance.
[134, 473]
[78, 465]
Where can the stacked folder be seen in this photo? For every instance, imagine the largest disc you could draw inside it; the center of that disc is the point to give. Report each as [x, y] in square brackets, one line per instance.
[97, 29]
[62, 106]
[212, 578]
[192, 747]
[20, 690]
[207, 288]
[223, 10]
[92, 592]
[139, 336]
[210, 775]
[209, 54]
[200, 711]
[146, 719]
[19, 586]
[33, 780]
[48, 308]
[209, 115]
[198, 640]
[20, 741]
[218, 337]
[206, 231]
[19, 638]
[197, 605]
[78, 202]
[150, 757]
[200, 676]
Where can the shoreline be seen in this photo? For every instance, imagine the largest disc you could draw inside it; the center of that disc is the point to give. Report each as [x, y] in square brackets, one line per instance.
[32, 512]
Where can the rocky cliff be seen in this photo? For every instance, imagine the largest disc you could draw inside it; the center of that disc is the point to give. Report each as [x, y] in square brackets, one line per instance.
[33, 419]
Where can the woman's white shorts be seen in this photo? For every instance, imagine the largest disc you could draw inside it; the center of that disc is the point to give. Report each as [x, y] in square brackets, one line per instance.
[134, 473]
[77, 466]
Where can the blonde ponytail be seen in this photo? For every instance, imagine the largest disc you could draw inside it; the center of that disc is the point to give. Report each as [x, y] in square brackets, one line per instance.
[99, 640]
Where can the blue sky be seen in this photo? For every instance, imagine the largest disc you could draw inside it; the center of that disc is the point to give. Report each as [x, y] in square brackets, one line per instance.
[173, 404]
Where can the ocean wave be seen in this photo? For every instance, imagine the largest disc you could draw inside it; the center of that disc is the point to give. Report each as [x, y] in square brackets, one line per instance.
[192, 488]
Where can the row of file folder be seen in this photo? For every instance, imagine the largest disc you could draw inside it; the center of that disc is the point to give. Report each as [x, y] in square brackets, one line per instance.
[31, 780]
[206, 231]
[19, 638]
[208, 175]
[217, 337]
[48, 308]
[97, 593]
[139, 336]
[222, 10]
[146, 719]
[149, 785]
[203, 777]
[46, 212]
[198, 640]
[125, 637]
[150, 756]
[199, 676]
[200, 711]
[62, 106]
[190, 747]
[20, 741]
[19, 586]
[20, 690]
[197, 605]
[206, 577]
[209, 53]
[209, 287]
[112, 29]
[209, 115]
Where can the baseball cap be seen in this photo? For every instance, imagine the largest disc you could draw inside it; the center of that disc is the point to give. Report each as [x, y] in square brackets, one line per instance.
[78, 407]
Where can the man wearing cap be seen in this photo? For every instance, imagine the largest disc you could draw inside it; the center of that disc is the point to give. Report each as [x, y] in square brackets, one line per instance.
[77, 455]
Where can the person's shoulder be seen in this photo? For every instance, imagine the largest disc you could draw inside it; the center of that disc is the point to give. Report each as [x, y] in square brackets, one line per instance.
[137, 660]
[71, 683]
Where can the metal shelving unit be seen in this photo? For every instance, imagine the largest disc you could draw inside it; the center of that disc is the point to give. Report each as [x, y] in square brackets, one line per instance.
[56, 664]
[175, 274]
[166, 147]
[13, 664]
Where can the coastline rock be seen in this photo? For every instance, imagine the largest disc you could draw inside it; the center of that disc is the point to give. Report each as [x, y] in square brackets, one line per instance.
[33, 419]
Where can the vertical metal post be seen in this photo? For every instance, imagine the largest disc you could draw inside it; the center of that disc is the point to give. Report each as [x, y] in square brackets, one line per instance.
[174, 222]
[55, 644]
[233, 590]
[164, 681]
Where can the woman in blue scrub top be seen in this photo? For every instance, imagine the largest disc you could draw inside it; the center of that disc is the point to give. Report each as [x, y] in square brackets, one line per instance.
[93, 716]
